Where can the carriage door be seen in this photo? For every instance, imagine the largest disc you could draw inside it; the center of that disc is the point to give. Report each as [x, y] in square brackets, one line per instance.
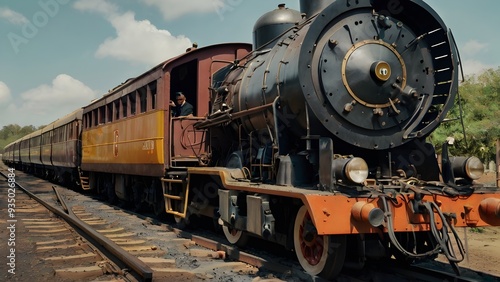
[187, 144]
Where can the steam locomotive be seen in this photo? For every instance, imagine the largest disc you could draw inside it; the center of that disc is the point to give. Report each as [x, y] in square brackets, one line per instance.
[313, 137]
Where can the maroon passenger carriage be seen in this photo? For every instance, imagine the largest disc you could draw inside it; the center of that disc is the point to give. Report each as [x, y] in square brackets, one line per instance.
[60, 149]
[53, 152]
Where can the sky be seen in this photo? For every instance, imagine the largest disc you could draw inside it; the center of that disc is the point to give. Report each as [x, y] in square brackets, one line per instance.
[58, 55]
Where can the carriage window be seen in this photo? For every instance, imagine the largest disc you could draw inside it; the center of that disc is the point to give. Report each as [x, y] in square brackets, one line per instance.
[95, 114]
[102, 114]
[36, 141]
[132, 100]
[143, 98]
[124, 106]
[152, 91]
[117, 109]
[46, 138]
[109, 112]
[89, 120]
[56, 135]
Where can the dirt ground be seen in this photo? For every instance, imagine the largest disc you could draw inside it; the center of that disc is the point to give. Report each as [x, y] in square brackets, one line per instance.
[483, 243]
[483, 250]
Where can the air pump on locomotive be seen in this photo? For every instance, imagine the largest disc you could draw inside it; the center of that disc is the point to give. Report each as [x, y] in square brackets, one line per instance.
[337, 100]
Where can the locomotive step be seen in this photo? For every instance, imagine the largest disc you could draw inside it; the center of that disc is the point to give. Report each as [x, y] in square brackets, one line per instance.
[173, 197]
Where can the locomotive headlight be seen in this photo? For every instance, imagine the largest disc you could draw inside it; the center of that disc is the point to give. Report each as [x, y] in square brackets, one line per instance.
[471, 167]
[352, 169]
[356, 170]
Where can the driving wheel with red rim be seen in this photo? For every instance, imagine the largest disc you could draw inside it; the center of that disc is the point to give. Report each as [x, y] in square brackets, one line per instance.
[321, 255]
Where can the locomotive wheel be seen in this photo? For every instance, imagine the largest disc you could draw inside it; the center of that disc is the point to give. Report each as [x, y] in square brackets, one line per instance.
[321, 255]
[235, 236]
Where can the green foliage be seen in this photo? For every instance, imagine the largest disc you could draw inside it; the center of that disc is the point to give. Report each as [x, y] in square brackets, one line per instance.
[12, 132]
[480, 99]
[477, 229]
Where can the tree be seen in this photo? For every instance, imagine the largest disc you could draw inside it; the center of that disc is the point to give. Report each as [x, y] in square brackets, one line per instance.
[27, 129]
[480, 98]
[12, 132]
[9, 130]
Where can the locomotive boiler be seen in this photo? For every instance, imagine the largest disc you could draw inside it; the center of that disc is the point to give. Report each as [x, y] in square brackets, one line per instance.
[372, 81]
[327, 119]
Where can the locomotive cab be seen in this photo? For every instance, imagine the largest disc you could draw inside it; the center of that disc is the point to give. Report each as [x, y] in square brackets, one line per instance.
[191, 74]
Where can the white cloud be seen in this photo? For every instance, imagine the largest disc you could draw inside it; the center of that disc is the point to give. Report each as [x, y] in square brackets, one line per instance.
[47, 103]
[12, 16]
[135, 41]
[4, 94]
[173, 9]
[141, 41]
[473, 47]
[475, 67]
[471, 51]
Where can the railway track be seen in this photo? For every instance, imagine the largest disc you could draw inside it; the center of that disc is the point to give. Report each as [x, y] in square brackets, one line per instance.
[168, 253]
[90, 255]
[163, 252]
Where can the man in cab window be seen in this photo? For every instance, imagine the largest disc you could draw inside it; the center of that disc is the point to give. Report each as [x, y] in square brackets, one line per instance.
[181, 107]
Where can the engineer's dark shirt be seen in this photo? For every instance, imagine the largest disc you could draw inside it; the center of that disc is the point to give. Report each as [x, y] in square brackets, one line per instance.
[184, 110]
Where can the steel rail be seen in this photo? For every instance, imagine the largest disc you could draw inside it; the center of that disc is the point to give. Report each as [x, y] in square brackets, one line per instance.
[232, 252]
[60, 199]
[142, 269]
